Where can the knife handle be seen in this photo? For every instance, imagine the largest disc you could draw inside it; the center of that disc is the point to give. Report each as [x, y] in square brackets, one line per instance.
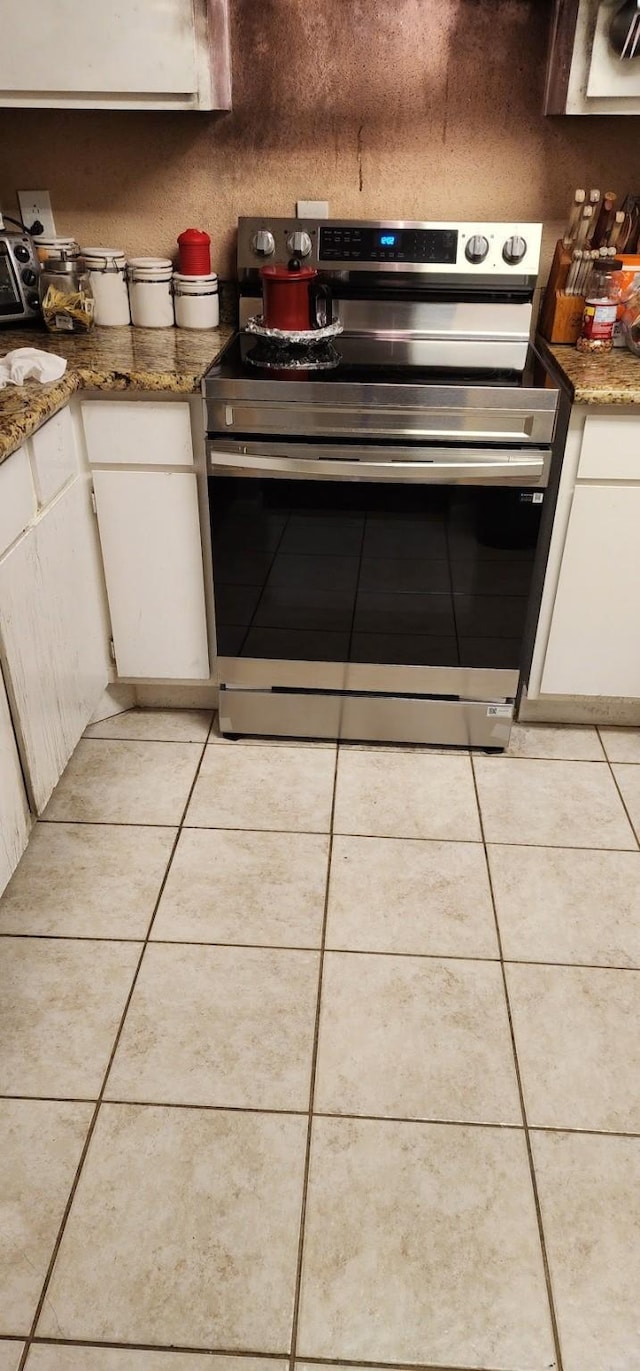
[574, 218]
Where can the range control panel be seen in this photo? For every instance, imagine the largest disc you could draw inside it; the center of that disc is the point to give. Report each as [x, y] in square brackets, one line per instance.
[443, 249]
[388, 245]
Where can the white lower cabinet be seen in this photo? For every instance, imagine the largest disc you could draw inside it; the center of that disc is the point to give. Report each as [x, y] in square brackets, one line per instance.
[594, 641]
[53, 635]
[149, 526]
[15, 819]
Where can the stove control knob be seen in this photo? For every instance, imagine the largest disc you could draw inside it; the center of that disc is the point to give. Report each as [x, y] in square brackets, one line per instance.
[514, 250]
[21, 252]
[477, 248]
[264, 243]
[299, 243]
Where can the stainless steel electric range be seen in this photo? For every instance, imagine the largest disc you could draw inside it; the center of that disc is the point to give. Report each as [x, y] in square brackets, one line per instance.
[379, 530]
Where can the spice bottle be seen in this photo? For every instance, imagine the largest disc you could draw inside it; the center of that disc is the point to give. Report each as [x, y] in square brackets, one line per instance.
[602, 298]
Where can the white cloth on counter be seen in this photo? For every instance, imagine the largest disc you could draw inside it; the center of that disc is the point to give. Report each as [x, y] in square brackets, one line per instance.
[30, 364]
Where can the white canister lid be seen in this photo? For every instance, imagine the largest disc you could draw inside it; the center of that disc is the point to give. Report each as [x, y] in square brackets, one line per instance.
[102, 252]
[149, 269]
[101, 259]
[195, 285]
[209, 276]
[150, 263]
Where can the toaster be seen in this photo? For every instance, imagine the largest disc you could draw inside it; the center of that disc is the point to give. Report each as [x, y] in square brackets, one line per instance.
[19, 278]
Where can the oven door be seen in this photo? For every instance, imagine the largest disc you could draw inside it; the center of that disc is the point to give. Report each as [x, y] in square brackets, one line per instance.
[373, 570]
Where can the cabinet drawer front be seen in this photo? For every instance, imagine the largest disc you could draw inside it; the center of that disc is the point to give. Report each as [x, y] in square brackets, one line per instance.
[610, 448]
[137, 432]
[17, 498]
[53, 456]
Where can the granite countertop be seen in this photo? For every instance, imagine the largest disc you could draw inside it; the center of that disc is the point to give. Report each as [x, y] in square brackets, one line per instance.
[106, 359]
[611, 379]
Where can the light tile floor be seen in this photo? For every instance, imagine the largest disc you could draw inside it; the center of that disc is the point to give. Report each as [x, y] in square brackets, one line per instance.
[323, 1055]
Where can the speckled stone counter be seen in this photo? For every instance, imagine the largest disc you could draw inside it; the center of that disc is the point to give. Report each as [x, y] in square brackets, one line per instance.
[106, 359]
[613, 379]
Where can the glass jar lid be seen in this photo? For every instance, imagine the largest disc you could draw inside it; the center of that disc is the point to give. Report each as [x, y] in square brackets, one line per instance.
[62, 266]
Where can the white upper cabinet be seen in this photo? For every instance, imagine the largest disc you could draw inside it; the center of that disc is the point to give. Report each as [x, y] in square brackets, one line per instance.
[131, 54]
[593, 66]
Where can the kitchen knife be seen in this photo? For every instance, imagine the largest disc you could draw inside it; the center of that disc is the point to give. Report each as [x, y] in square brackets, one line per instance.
[605, 219]
[584, 226]
[570, 288]
[574, 217]
[616, 229]
[594, 201]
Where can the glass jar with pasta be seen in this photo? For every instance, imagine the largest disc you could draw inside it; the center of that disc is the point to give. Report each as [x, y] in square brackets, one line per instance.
[66, 295]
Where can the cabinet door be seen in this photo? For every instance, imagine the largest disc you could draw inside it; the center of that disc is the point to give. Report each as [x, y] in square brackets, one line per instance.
[131, 53]
[53, 456]
[150, 534]
[15, 819]
[17, 498]
[53, 636]
[594, 643]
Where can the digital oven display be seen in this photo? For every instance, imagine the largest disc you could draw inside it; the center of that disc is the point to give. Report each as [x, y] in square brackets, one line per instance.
[348, 243]
[10, 301]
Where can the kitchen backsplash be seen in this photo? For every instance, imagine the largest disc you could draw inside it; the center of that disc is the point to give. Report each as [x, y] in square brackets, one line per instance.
[401, 108]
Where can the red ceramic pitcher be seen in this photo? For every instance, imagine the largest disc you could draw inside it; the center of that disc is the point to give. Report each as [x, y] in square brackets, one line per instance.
[293, 299]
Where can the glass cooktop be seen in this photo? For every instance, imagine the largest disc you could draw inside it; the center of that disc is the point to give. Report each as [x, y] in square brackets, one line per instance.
[363, 360]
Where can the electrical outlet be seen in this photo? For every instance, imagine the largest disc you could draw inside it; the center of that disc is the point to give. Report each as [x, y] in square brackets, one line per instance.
[312, 209]
[34, 205]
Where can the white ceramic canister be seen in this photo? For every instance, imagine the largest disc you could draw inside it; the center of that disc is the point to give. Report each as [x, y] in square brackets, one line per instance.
[107, 269]
[196, 300]
[150, 292]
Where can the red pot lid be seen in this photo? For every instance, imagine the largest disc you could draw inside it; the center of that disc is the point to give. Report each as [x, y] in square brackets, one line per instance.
[289, 273]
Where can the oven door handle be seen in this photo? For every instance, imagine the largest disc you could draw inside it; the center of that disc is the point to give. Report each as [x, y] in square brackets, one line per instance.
[443, 469]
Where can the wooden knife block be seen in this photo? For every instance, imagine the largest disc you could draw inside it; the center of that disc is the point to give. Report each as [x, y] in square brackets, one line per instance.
[561, 315]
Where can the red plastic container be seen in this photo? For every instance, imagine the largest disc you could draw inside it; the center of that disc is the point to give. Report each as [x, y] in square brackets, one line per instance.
[194, 253]
[291, 297]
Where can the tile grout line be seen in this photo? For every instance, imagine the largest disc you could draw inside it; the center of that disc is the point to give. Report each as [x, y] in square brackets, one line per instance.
[615, 782]
[431, 1120]
[94, 1117]
[323, 833]
[312, 1086]
[534, 1181]
[180, 742]
[314, 948]
[241, 1353]
[134, 1346]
